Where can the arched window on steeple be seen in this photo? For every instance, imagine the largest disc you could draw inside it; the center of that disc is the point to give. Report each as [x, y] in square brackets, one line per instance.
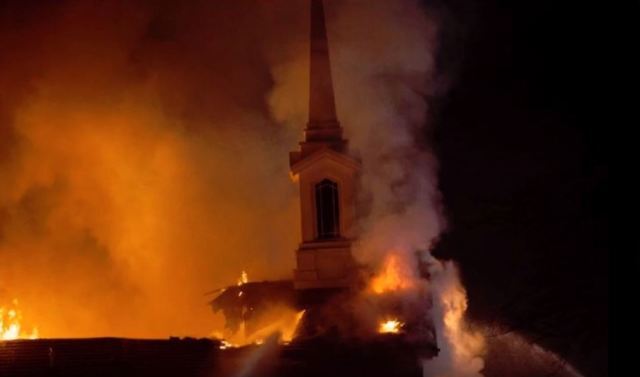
[327, 209]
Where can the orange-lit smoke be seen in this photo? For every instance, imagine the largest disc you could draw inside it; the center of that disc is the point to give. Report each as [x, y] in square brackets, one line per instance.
[143, 150]
[461, 346]
[395, 276]
[384, 77]
[139, 164]
[277, 320]
[384, 80]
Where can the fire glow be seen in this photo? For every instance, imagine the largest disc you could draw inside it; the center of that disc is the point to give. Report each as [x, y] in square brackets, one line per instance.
[244, 278]
[279, 320]
[285, 324]
[391, 326]
[393, 277]
[461, 347]
[11, 323]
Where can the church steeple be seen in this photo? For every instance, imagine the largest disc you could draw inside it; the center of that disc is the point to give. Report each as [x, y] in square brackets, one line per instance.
[323, 123]
[327, 175]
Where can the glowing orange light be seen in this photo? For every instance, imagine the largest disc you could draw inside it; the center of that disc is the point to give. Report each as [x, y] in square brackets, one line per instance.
[283, 321]
[11, 323]
[290, 331]
[390, 326]
[244, 278]
[393, 276]
[224, 345]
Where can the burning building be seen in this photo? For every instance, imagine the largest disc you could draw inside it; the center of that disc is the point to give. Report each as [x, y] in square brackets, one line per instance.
[130, 134]
[330, 290]
[327, 177]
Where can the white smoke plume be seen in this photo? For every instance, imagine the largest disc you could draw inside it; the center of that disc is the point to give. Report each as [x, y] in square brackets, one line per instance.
[382, 56]
[460, 348]
[384, 79]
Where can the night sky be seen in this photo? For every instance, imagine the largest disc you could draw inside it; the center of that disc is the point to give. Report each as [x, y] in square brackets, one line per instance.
[523, 172]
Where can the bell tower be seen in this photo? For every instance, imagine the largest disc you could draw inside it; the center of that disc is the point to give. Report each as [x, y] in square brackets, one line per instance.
[327, 176]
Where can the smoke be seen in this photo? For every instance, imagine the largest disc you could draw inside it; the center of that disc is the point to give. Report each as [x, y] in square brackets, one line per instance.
[143, 150]
[139, 164]
[385, 78]
[383, 64]
[386, 121]
[460, 348]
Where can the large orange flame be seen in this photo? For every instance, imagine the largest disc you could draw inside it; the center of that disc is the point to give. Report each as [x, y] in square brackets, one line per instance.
[395, 276]
[11, 323]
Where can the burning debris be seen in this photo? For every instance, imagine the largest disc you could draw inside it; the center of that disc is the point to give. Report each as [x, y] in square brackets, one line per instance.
[256, 310]
[350, 314]
[334, 292]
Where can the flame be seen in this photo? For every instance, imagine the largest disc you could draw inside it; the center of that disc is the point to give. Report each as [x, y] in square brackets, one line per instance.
[286, 325]
[11, 323]
[390, 326]
[289, 332]
[281, 320]
[244, 279]
[224, 345]
[395, 276]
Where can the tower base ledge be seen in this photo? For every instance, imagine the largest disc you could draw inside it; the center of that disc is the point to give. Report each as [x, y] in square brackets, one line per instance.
[330, 265]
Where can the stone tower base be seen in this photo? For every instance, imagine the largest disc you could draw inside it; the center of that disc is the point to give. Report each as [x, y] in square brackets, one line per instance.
[324, 264]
